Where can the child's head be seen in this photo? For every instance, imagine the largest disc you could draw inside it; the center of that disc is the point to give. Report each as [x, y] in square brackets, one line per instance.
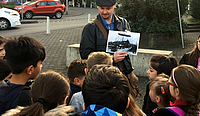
[98, 58]
[159, 90]
[184, 84]
[161, 64]
[4, 69]
[105, 85]
[24, 52]
[76, 73]
[3, 40]
[49, 90]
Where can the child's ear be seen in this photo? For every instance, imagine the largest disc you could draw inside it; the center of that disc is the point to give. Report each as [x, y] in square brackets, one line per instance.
[65, 100]
[177, 92]
[77, 81]
[85, 70]
[29, 69]
[158, 99]
[83, 106]
[128, 102]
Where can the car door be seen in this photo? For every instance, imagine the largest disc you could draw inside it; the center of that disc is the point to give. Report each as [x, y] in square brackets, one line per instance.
[51, 6]
[41, 7]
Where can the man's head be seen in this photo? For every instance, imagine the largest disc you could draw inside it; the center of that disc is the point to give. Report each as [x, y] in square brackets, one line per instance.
[76, 73]
[106, 8]
[98, 58]
[3, 40]
[24, 52]
[105, 85]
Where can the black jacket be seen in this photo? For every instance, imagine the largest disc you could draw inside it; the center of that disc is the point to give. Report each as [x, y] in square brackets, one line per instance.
[12, 95]
[93, 40]
[185, 58]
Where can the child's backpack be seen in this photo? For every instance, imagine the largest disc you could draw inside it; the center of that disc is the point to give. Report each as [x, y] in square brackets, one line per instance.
[176, 110]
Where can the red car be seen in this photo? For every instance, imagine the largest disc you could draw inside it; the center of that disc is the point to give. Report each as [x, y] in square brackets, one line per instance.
[49, 8]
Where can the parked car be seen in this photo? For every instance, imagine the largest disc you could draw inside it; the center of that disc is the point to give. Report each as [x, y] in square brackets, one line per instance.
[49, 8]
[9, 18]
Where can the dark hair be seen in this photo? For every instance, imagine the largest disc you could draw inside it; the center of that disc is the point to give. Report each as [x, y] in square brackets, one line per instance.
[4, 69]
[49, 89]
[98, 58]
[76, 69]
[23, 52]
[162, 88]
[2, 39]
[194, 55]
[105, 85]
[188, 81]
[163, 64]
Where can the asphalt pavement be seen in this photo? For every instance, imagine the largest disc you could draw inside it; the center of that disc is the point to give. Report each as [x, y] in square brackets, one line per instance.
[55, 45]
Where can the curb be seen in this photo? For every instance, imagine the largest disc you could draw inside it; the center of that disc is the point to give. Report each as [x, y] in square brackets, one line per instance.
[28, 22]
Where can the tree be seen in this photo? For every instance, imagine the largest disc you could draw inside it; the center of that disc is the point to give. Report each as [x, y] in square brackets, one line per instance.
[195, 9]
[152, 16]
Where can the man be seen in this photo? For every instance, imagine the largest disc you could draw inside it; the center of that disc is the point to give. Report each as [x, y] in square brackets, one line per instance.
[93, 39]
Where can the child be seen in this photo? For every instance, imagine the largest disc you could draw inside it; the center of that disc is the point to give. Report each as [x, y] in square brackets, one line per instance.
[3, 41]
[105, 91]
[24, 56]
[159, 91]
[184, 85]
[93, 58]
[49, 90]
[158, 64]
[5, 71]
[76, 75]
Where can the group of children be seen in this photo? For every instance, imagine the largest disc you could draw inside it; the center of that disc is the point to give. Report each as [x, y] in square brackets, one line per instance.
[93, 87]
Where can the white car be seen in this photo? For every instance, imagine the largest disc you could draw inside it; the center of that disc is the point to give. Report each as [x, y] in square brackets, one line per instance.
[9, 18]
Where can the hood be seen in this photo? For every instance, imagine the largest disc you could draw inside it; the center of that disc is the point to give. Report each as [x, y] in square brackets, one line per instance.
[9, 10]
[98, 110]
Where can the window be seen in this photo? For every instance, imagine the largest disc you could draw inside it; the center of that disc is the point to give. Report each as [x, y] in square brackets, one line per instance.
[51, 3]
[42, 3]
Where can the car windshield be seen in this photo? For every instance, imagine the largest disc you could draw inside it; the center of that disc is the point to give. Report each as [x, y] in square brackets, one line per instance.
[30, 3]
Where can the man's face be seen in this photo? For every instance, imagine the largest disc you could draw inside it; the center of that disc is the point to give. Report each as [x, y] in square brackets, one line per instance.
[106, 11]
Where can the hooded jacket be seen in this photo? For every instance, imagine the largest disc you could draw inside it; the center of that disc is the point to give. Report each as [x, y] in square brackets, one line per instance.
[12, 95]
[98, 110]
[93, 40]
[61, 110]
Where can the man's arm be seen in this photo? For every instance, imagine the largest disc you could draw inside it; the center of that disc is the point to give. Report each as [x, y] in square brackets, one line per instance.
[87, 44]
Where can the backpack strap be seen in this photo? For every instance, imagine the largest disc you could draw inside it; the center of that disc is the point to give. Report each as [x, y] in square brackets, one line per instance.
[176, 110]
[98, 23]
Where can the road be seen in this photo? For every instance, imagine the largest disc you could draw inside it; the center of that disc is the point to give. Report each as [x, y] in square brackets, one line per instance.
[78, 17]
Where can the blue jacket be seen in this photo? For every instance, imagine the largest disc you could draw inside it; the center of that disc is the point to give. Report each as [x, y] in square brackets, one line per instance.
[98, 110]
[12, 95]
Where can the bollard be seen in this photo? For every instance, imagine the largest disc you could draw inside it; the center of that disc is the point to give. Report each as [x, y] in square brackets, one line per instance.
[48, 25]
[89, 18]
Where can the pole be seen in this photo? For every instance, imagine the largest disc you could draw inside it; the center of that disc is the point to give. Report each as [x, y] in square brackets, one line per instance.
[89, 18]
[179, 14]
[22, 9]
[48, 25]
[67, 6]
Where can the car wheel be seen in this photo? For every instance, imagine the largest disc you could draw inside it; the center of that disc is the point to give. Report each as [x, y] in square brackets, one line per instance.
[4, 24]
[28, 15]
[58, 15]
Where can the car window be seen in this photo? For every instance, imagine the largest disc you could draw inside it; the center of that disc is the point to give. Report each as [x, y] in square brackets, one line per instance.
[60, 3]
[30, 3]
[51, 3]
[42, 3]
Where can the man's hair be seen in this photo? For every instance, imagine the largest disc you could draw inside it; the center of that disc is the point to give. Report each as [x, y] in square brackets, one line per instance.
[76, 69]
[105, 85]
[4, 69]
[98, 58]
[2, 39]
[23, 52]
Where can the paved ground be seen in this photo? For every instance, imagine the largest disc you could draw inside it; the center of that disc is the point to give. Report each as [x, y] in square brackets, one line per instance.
[55, 45]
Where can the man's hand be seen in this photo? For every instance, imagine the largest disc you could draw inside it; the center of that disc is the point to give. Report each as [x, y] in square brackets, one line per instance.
[119, 56]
